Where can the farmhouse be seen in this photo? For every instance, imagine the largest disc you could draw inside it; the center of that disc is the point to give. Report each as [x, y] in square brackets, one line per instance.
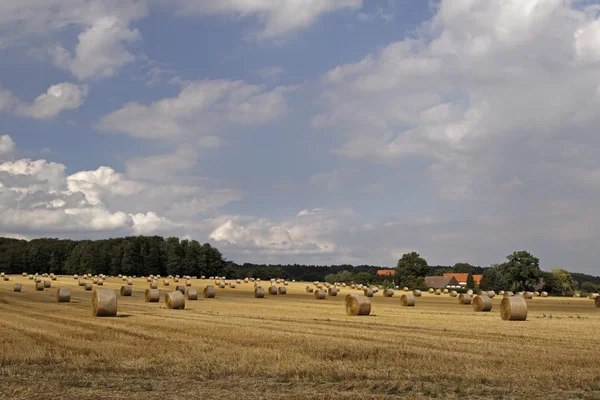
[462, 278]
[441, 282]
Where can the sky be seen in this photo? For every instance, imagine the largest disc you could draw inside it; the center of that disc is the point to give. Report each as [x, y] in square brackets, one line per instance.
[307, 131]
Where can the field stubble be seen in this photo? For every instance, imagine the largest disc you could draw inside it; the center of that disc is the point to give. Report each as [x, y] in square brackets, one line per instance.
[291, 346]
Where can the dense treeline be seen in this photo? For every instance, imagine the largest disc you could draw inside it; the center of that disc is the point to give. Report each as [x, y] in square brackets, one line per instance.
[135, 255]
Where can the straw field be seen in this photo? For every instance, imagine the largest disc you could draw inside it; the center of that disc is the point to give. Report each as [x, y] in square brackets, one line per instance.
[290, 346]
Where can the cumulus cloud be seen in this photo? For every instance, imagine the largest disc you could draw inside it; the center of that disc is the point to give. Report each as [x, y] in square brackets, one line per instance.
[7, 145]
[58, 98]
[200, 109]
[278, 18]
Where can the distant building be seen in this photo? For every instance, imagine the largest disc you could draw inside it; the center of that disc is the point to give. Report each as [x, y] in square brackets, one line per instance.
[386, 272]
[462, 278]
[441, 282]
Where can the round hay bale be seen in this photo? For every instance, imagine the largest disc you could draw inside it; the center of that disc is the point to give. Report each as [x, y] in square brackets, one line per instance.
[95, 281]
[368, 292]
[238, 281]
[176, 280]
[501, 293]
[259, 292]
[47, 284]
[53, 277]
[528, 295]
[320, 294]
[6, 278]
[508, 294]
[309, 289]
[166, 282]
[592, 296]
[417, 293]
[407, 300]
[513, 309]
[272, 290]
[88, 286]
[209, 292]
[154, 284]
[491, 294]
[149, 279]
[231, 285]
[405, 289]
[222, 285]
[544, 294]
[30, 277]
[430, 290]
[576, 295]
[597, 301]
[388, 292]
[438, 292]
[470, 292]
[39, 286]
[464, 298]
[17, 287]
[282, 290]
[126, 291]
[357, 305]
[152, 295]
[536, 294]
[81, 282]
[24, 274]
[446, 291]
[285, 283]
[130, 282]
[180, 288]
[453, 293]
[482, 304]
[174, 300]
[188, 283]
[104, 303]
[100, 282]
[353, 286]
[332, 291]
[63, 295]
[246, 280]
[192, 293]
[519, 294]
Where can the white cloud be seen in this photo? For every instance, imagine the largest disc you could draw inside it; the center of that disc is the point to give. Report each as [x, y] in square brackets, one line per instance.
[7, 145]
[58, 98]
[200, 109]
[278, 18]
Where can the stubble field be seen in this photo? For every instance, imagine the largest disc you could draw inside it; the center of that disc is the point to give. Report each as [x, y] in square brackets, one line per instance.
[291, 346]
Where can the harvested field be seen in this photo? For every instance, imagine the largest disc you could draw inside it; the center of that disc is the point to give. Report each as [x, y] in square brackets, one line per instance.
[236, 346]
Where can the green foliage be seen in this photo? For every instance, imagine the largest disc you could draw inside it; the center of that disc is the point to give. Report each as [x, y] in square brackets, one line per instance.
[410, 267]
[590, 287]
[522, 271]
[349, 276]
[565, 282]
[464, 268]
[494, 279]
[470, 281]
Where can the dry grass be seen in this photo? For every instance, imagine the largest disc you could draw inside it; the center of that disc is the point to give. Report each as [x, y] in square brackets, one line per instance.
[236, 346]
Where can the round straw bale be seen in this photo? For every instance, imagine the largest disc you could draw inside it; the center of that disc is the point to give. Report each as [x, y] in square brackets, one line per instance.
[536, 294]
[332, 291]
[285, 283]
[405, 289]
[152, 295]
[368, 292]
[464, 298]
[222, 285]
[88, 286]
[508, 294]
[273, 289]
[130, 282]
[320, 294]
[81, 282]
[39, 286]
[188, 282]
[388, 292]
[576, 295]
[192, 293]
[259, 292]
[30, 277]
[38, 279]
[126, 291]
[528, 295]
[282, 290]
[453, 293]
[154, 284]
[353, 286]
[501, 293]
[17, 287]
[309, 289]
[446, 291]
[209, 292]
[491, 294]
[149, 279]
[174, 300]
[482, 304]
[104, 303]
[47, 284]
[180, 288]
[592, 296]
[100, 282]
[430, 290]
[513, 309]
[597, 301]
[95, 281]
[63, 295]
[238, 281]
[166, 282]
[544, 294]
[470, 292]
[6, 278]
[357, 305]
[417, 293]
[438, 292]
[407, 300]
[246, 280]
[53, 277]
[176, 280]
[24, 274]
[232, 285]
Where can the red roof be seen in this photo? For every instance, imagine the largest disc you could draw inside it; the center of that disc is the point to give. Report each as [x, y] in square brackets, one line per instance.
[386, 272]
[463, 277]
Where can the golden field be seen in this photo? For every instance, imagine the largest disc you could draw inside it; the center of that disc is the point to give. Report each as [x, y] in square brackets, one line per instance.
[291, 346]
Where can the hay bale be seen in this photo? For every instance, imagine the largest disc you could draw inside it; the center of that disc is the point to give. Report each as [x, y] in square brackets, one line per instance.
[508, 294]
[259, 292]
[246, 280]
[166, 282]
[17, 287]
[513, 309]
[53, 277]
[175, 300]
[130, 282]
[149, 279]
[188, 283]
[209, 292]
[180, 288]
[528, 295]
[88, 286]
[482, 304]
[81, 282]
[47, 284]
[453, 293]
[536, 294]
[176, 280]
[446, 291]
[24, 274]
[126, 291]
[95, 281]
[576, 295]
[407, 300]
[470, 292]
[464, 298]
[544, 294]
[104, 303]
[320, 294]
[519, 294]
[417, 293]
[100, 282]
[154, 284]
[192, 294]
[30, 277]
[222, 285]
[438, 292]
[388, 292]
[63, 295]
[501, 293]
[309, 289]
[491, 294]
[332, 291]
[285, 283]
[272, 290]
[368, 292]
[430, 290]
[282, 290]
[405, 289]
[597, 301]
[592, 296]
[231, 285]
[152, 295]
[39, 286]
[357, 305]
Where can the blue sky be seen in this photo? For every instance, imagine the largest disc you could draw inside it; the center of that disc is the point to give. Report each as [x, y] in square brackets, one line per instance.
[327, 131]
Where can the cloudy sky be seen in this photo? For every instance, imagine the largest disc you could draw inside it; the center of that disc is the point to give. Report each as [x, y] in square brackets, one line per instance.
[309, 131]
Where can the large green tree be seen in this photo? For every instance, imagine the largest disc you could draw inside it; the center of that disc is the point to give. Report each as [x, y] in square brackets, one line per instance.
[464, 268]
[411, 269]
[522, 270]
